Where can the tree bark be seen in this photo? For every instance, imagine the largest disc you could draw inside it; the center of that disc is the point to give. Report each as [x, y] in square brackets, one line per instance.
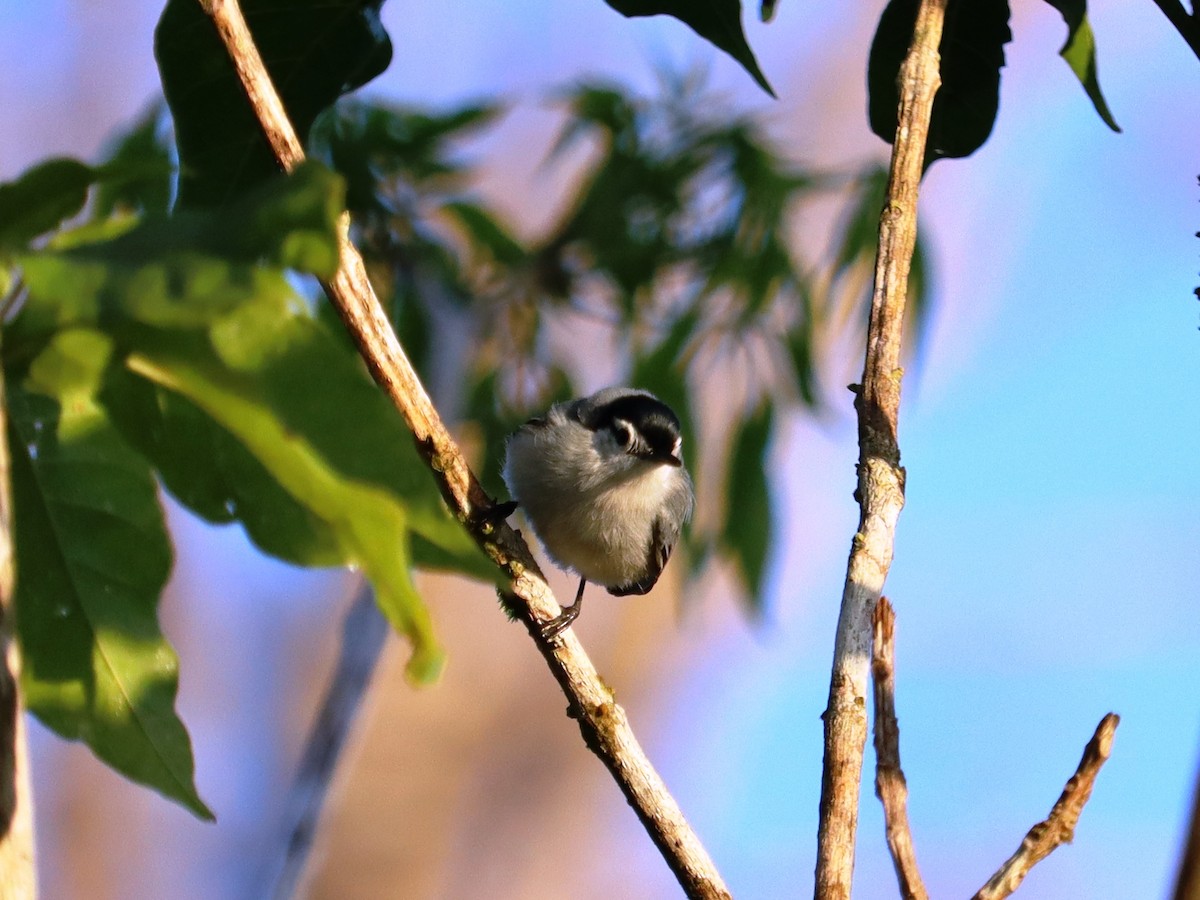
[18, 873]
[891, 787]
[1058, 828]
[880, 490]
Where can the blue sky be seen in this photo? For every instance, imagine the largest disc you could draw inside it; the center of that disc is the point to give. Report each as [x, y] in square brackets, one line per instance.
[1047, 566]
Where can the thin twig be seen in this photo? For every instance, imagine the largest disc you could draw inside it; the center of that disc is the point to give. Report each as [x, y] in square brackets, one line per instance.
[1187, 883]
[364, 632]
[880, 492]
[602, 721]
[1058, 827]
[18, 874]
[1188, 25]
[890, 785]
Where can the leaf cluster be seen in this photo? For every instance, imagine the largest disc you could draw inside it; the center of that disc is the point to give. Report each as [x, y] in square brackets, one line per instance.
[176, 349]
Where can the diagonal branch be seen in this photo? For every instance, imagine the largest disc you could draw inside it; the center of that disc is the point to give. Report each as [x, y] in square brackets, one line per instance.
[1187, 881]
[602, 721]
[890, 785]
[364, 632]
[1058, 827]
[880, 490]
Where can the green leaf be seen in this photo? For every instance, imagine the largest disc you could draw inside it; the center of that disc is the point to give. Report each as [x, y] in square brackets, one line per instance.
[257, 412]
[92, 559]
[486, 233]
[800, 343]
[138, 168]
[747, 528]
[860, 227]
[370, 524]
[209, 471]
[1080, 53]
[972, 54]
[41, 199]
[373, 145]
[288, 222]
[315, 51]
[183, 271]
[717, 21]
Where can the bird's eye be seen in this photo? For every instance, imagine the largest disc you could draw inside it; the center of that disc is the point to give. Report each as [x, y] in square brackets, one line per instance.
[623, 434]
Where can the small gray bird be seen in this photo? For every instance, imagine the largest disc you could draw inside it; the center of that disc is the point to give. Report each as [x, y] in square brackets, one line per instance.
[602, 481]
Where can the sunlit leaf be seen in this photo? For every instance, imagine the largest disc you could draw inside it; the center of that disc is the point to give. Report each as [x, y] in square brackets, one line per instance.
[211, 473]
[92, 559]
[184, 270]
[370, 525]
[1080, 53]
[256, 412]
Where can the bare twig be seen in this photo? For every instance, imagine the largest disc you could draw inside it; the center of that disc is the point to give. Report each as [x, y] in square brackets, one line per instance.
[18, 874]
[1187, 24]
[1058, 827]
[1187, 883]
[890, 785]
[602, 721]
[880, 491]
[363, 635]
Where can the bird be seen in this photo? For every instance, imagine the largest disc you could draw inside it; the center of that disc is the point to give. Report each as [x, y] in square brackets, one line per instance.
[601, 479]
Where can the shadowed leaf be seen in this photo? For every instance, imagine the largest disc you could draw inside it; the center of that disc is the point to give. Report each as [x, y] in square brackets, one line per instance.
[314, 50]
[92, 558]
[717, 21]
[972, 54]
[140, 169]
[747, 529]
[41, 199]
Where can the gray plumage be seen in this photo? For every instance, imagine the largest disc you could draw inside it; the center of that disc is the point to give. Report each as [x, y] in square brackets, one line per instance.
[601, 481]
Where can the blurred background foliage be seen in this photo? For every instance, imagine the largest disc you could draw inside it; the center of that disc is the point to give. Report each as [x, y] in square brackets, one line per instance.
[676, 245]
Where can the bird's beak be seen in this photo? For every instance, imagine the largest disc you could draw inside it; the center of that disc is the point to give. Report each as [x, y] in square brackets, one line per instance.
[671, 460]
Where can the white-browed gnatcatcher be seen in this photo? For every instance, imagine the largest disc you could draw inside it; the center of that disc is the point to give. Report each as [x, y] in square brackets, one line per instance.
[603, 484]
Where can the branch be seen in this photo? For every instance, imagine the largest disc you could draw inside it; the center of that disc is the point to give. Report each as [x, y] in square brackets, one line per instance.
[1187, 883]
[1059, 827]
[880, 490]
[602, 721]
[890, 785]
[363, 635]
[1185, 23]
[18, 875]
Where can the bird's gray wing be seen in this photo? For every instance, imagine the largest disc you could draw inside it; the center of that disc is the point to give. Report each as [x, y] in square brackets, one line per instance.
[662, 542]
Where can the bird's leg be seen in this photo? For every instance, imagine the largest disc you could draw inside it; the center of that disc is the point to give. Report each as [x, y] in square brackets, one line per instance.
[562, 621]
[500, 510]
